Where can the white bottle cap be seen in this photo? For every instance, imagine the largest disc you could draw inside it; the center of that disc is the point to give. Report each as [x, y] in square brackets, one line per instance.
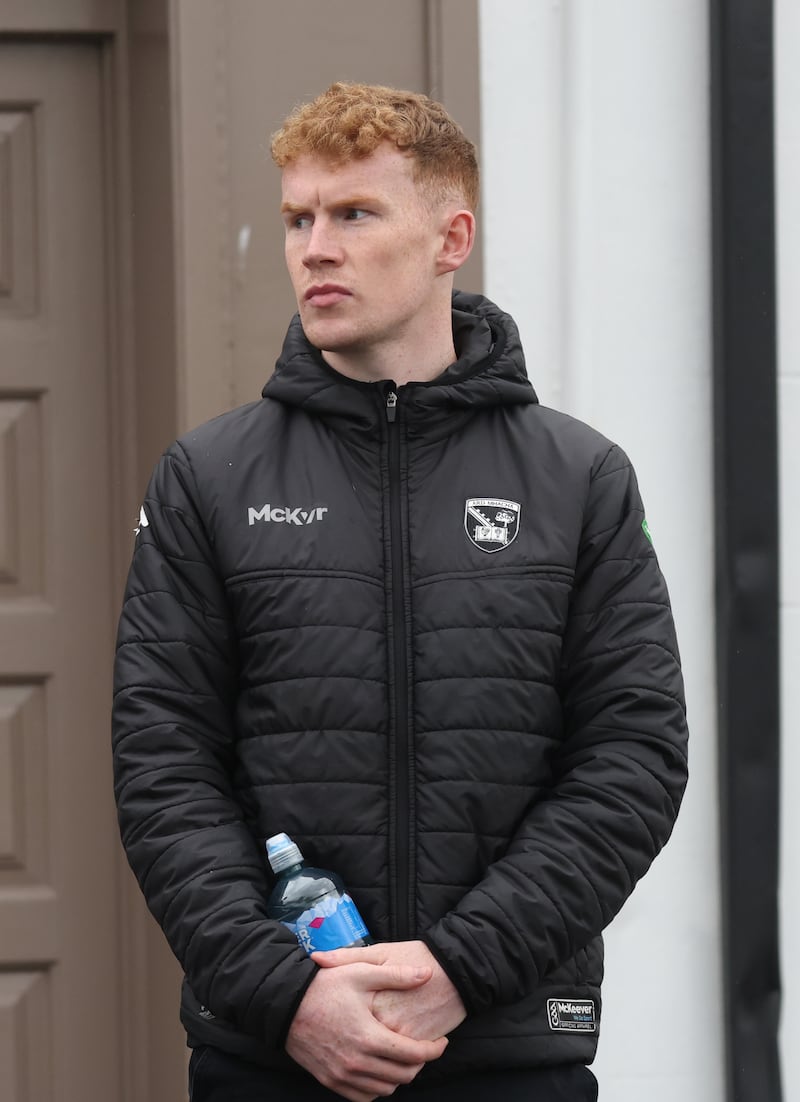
[282, 852]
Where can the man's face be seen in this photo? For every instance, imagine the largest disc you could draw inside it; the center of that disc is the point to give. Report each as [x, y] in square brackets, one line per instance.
[361, 249]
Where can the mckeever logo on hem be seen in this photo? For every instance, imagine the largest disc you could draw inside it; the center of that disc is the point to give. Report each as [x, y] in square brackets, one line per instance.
[572, 1015]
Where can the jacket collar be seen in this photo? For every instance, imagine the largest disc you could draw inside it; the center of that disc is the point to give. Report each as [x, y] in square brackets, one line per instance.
[489, 372]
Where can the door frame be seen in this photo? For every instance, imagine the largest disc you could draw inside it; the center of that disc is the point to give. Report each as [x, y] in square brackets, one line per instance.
[151, 1040]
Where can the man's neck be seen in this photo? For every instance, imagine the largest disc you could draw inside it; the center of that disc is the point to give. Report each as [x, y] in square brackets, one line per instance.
[400, 369]
[405, 361]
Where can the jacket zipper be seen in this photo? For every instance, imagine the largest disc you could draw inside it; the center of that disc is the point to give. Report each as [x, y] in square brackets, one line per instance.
[403, 920]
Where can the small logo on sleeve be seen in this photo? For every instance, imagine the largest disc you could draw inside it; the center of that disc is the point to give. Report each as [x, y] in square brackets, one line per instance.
[491, 523]
[143, 521]
[572, 1015]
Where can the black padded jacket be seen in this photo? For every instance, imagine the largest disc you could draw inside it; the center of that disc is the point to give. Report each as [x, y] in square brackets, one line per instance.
[425, 633]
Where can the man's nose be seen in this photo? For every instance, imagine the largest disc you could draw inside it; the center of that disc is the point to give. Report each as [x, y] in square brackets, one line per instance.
[322, 246]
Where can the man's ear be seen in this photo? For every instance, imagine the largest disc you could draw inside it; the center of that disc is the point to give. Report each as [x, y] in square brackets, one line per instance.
[458, 238]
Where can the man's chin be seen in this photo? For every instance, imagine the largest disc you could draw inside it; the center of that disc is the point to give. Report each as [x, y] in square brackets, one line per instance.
[320, 333]
[331, 338]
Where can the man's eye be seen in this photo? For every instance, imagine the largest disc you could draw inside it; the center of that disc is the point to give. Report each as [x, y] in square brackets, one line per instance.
[301, 222]
[354, 214]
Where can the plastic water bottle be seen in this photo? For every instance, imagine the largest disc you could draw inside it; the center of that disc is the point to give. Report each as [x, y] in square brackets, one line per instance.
[312, 903]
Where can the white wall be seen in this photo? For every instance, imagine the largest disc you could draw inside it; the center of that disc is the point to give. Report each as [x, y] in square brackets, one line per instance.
[597, 238]
[787, 85]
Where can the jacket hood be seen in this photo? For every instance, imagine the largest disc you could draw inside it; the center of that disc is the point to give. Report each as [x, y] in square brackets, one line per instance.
[490, 371]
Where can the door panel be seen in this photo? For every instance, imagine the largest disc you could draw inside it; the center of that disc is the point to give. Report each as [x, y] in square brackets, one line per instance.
[59, 1035]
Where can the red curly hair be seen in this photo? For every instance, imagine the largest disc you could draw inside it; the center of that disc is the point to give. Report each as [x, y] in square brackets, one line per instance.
[349, 121]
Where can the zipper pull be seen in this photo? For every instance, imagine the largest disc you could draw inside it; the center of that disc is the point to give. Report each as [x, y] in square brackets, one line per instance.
[391, 407]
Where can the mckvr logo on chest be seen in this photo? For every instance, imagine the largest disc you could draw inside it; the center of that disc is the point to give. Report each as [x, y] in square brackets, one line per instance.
[285, 514]
[491, 523]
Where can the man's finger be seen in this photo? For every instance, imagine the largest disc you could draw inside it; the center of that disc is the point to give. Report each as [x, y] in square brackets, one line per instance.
[365, 954]
[378, 1079]
[379, 976]
[396, 1049]
[378, 1075]
[394, 977]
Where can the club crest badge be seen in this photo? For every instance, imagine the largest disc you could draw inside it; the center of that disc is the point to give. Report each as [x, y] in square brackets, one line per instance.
[491, 523]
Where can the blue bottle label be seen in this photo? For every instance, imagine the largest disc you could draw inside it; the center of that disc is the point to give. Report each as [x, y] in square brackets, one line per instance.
[332, 923]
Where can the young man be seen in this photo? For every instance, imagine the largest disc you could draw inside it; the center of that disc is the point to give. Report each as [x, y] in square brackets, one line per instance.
[405, 614]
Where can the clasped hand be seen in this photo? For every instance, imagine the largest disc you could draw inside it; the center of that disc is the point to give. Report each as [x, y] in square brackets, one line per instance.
[373, 1017]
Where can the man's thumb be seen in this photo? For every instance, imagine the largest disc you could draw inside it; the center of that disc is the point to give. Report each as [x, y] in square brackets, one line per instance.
[399, 977]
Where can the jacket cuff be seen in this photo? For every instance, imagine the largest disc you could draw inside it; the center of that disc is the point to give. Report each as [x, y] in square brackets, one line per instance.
[295, 1006]
[458, 981]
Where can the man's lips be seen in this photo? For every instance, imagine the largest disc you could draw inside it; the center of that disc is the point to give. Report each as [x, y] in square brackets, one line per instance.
[326, 294]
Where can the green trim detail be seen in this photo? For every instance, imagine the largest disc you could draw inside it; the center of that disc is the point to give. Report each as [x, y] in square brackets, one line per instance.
[646, 530]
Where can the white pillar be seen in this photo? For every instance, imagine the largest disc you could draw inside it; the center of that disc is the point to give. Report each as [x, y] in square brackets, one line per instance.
[597, 237]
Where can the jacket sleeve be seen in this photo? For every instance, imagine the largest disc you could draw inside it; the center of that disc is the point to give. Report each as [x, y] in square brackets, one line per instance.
[175, 685]
[618, 777]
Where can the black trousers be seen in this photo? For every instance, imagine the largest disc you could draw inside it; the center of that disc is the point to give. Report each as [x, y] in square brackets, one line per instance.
[216, 1076]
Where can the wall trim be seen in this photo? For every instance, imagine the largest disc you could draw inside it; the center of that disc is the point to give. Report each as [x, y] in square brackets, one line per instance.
[22, 17]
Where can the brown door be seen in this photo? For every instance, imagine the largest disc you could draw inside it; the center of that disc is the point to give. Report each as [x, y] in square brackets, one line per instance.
[59, 1031]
